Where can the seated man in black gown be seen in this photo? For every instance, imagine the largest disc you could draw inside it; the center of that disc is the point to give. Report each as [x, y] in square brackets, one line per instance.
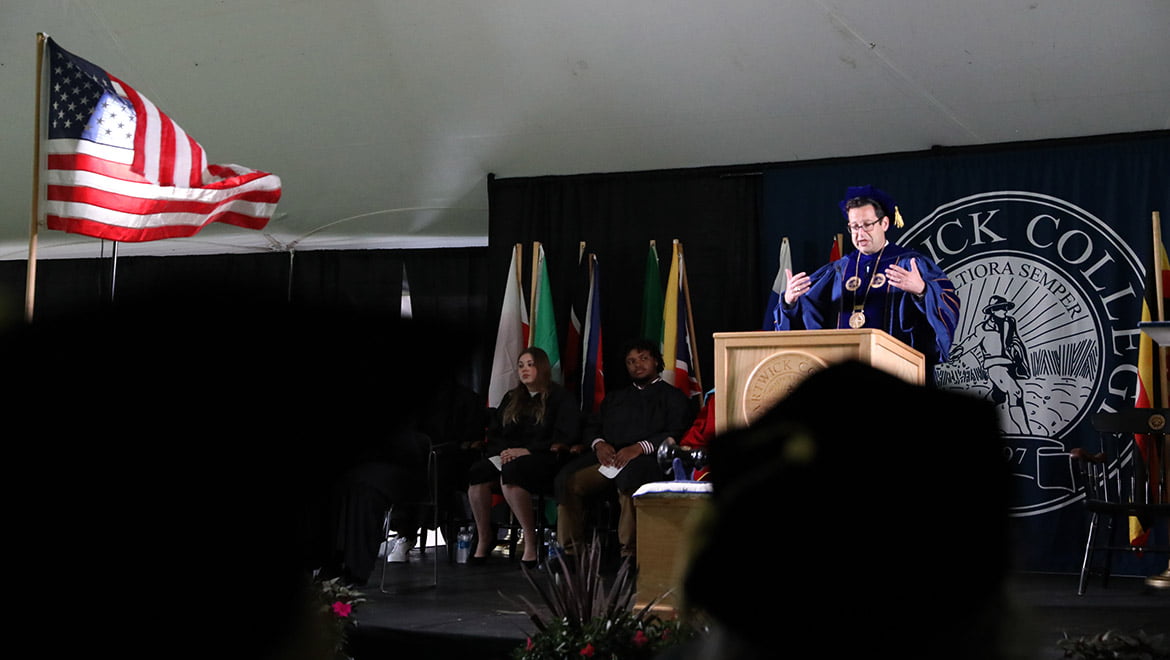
[624, 436]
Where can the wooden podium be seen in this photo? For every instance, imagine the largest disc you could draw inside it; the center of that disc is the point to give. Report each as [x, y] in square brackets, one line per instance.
[754, 370]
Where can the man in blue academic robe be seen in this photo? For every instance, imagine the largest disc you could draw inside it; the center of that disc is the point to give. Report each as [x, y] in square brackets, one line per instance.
[881, 285]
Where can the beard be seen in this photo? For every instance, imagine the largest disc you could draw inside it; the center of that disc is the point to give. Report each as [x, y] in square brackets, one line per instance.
[644, 381]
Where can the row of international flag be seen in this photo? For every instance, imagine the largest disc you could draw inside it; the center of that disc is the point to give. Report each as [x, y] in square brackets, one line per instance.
[666, 317]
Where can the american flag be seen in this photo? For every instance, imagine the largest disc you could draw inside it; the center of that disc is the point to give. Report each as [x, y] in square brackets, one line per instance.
[117, 167]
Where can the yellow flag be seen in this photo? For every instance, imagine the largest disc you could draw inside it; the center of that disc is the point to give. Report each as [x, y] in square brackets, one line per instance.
[670, 318]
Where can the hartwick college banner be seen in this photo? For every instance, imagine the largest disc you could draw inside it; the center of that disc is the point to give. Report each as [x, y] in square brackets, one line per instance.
[1060, 234]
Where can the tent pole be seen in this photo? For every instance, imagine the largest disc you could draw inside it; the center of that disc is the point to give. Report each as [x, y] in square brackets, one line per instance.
[291, 257]
[114, 271]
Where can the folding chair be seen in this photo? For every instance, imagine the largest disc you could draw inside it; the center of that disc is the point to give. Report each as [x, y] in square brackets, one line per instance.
[429, 500]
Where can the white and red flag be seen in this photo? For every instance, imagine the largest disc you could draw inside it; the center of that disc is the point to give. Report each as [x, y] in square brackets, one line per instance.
[511, 335]
[116, 167]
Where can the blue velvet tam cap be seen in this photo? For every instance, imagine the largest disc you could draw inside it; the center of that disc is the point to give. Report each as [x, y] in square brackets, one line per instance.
[889, 207]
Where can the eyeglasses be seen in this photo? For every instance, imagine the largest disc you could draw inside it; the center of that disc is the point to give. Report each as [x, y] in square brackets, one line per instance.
[865, 226]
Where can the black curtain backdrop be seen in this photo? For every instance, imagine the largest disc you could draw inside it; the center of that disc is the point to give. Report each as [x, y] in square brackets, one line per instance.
[447, 288]
[712, 212]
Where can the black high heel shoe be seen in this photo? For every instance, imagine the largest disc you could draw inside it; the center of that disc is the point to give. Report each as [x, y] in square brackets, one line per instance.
[530, 564]
[477, 561]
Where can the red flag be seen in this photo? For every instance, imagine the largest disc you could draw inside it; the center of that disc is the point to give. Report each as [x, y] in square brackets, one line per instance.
[836, 252]
[117, 167]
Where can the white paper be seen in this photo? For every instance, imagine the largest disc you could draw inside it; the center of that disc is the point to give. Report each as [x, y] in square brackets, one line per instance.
[609, 471]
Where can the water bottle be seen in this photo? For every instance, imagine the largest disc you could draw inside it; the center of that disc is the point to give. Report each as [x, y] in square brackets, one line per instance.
[463, 545]
[554, 548]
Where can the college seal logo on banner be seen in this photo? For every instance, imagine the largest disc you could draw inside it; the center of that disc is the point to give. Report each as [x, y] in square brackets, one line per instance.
[1051, 297]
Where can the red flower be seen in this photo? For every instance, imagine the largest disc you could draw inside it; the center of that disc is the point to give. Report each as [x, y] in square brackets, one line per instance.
[342, 609]
[529, 645]
[640, 639]
[587, 651]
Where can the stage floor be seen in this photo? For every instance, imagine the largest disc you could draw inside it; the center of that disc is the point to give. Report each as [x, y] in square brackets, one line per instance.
[476, 610]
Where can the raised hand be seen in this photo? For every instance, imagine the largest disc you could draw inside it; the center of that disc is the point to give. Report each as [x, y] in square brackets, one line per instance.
[798, 285]
[907, 280]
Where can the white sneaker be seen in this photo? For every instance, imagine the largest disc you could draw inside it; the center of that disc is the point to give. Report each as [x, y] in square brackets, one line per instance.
[397, 554]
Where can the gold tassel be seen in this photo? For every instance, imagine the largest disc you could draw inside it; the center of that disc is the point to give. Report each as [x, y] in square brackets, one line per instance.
[898, 218]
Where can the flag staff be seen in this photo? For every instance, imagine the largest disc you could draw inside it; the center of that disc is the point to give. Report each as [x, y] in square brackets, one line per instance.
[113, 269]
[31, 277]
[292, 254]
[1163, 396]
[518, 275]
[1162, 580]
[682, 273]
[518, 252]
[533, 290]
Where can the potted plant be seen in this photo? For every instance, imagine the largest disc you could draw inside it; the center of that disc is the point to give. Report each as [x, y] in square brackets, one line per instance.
[1112, 645]
[583, 617]
[335, 605]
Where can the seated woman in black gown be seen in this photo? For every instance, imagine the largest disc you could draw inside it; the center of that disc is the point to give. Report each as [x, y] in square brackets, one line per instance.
[531, 418]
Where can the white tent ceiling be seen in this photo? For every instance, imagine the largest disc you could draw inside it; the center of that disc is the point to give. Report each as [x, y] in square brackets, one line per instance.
[384, 117]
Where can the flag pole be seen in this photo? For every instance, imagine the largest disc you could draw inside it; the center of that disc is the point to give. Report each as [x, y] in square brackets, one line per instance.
[535, 283]
[1163, 396]
[292, 255]
[518, 275]
[31, 277]
[1160, 581]
[518, 252]
[113, 270]
[682, 273]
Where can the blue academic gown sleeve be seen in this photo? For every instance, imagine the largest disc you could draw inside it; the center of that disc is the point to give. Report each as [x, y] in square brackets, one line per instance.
[930, 320]
[816, 309]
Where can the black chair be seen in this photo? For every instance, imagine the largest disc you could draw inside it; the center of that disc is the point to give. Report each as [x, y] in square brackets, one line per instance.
[427, 501]
[1117, 484]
